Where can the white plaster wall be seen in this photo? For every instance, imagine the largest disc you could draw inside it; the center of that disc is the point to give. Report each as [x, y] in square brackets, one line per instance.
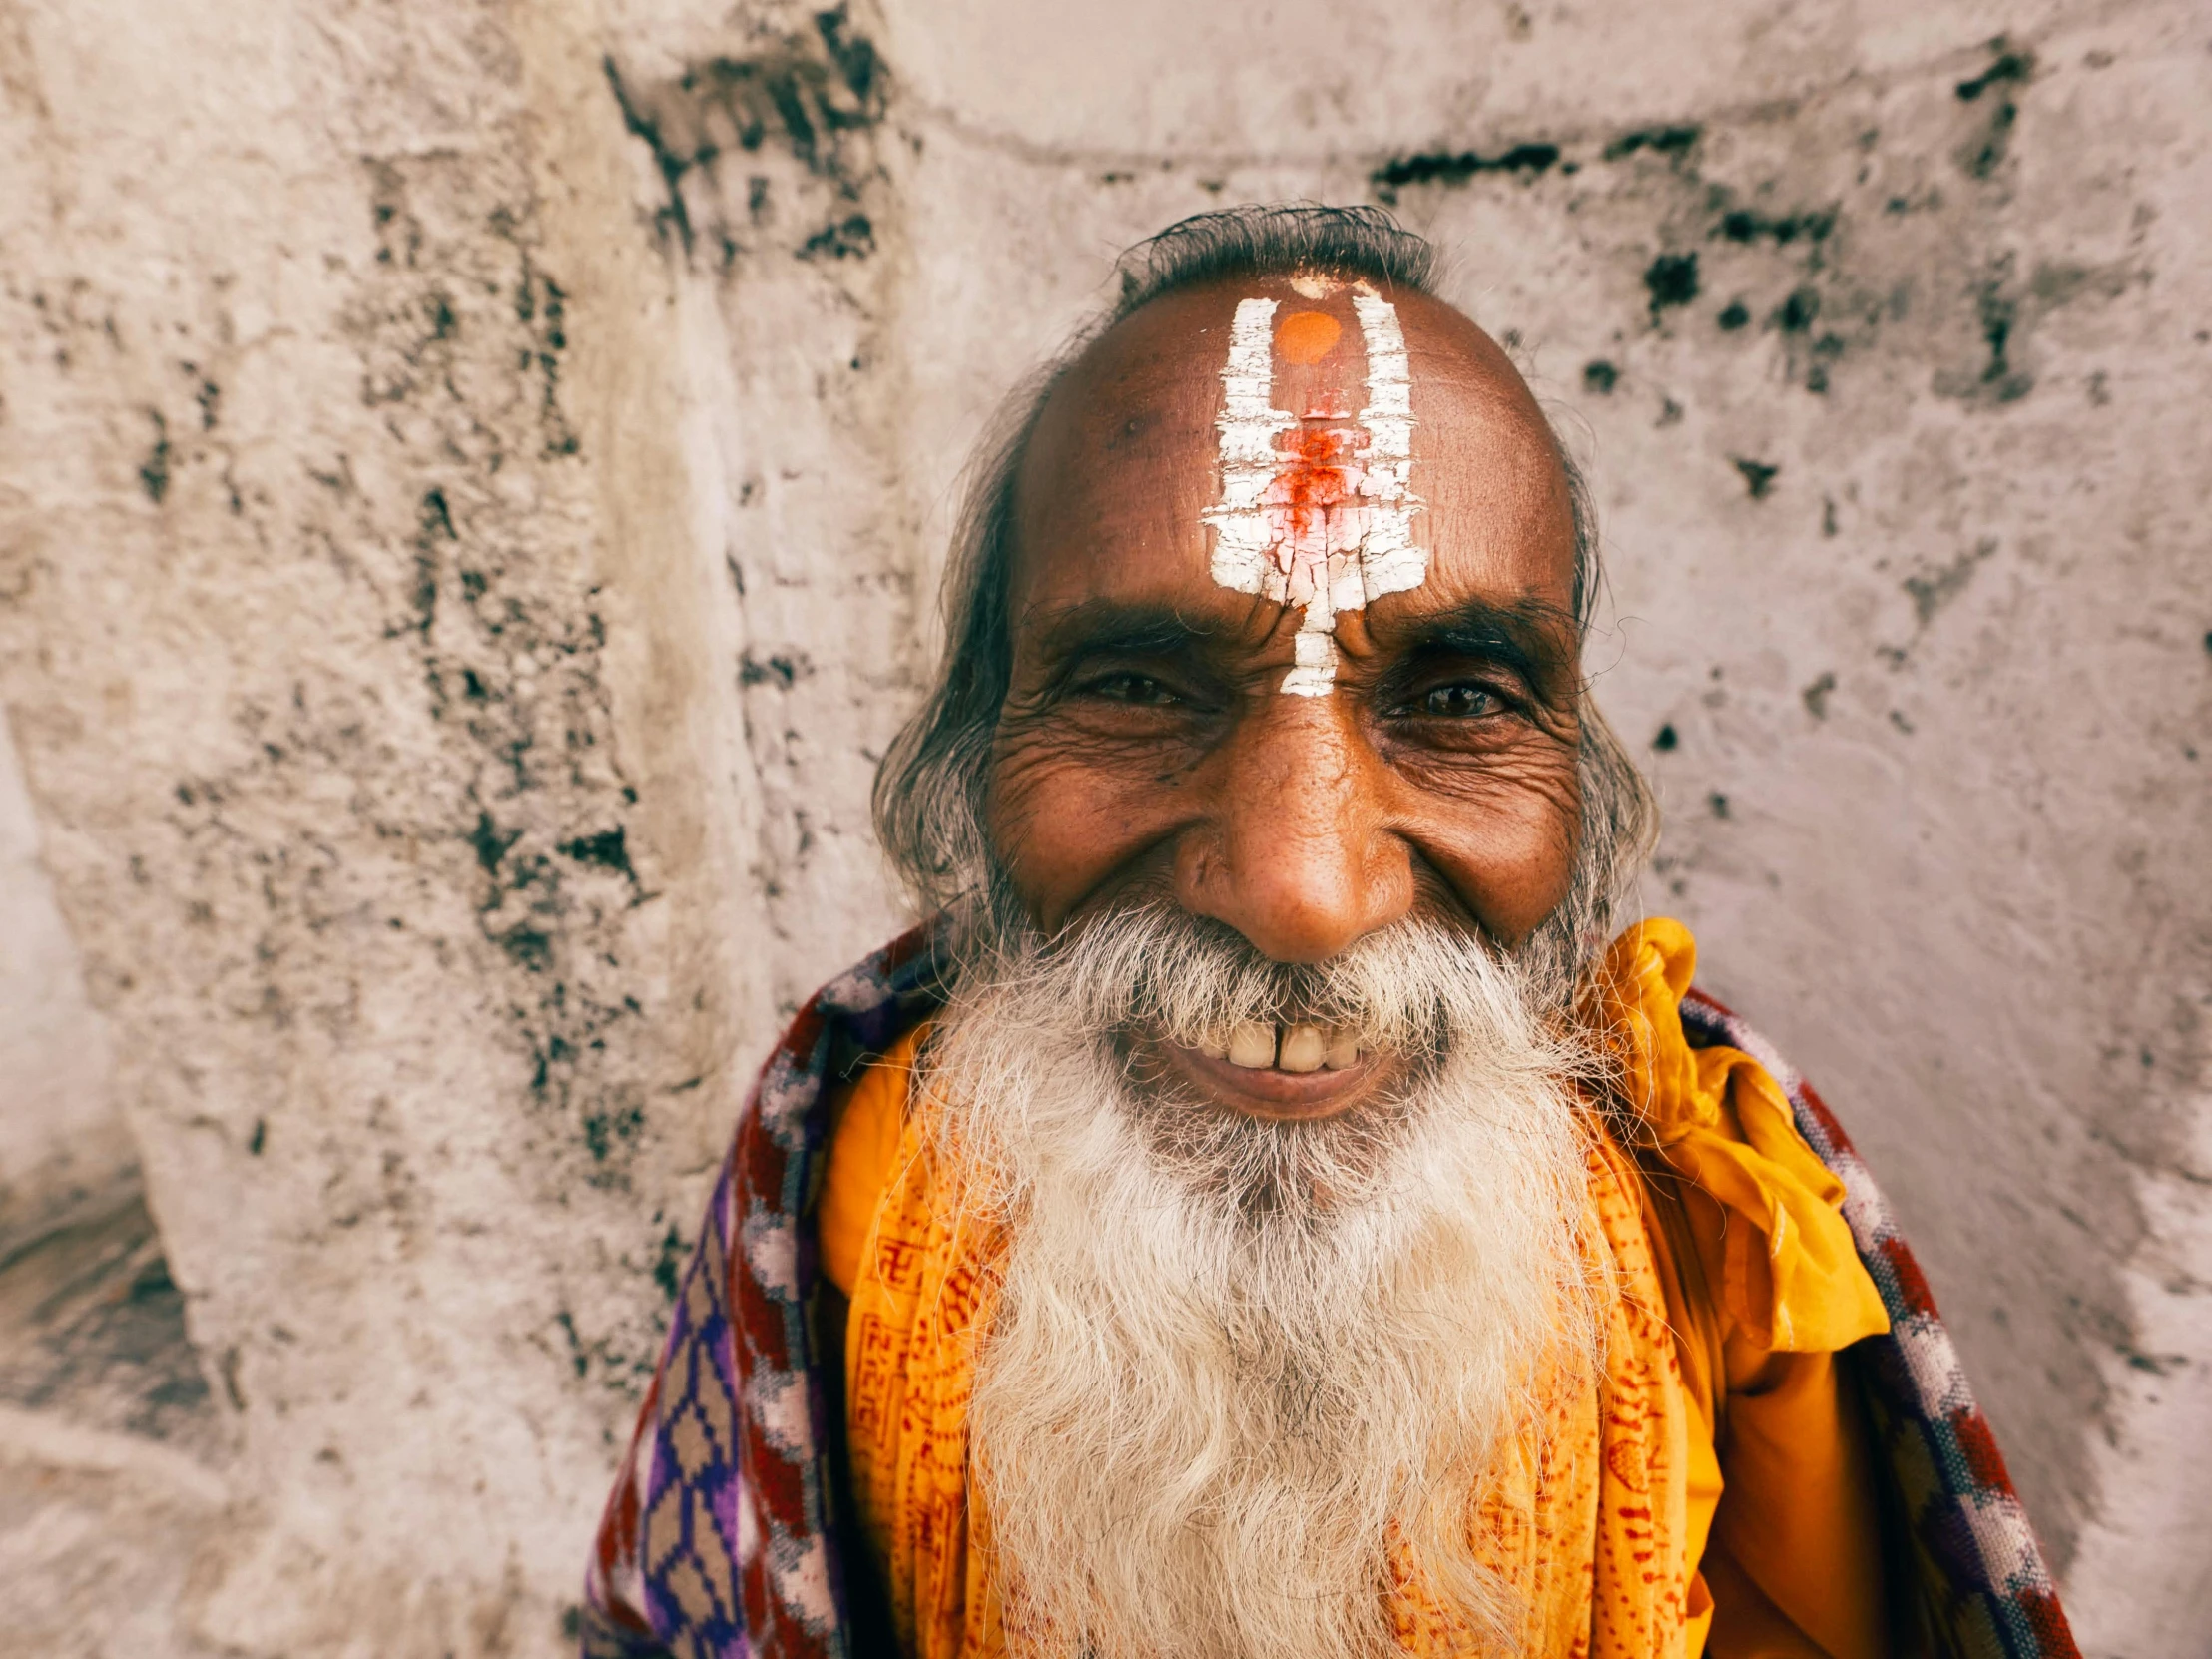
[59, 1128]
[437, 439]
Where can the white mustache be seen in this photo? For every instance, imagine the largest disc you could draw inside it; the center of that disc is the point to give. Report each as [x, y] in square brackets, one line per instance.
[1158, 972]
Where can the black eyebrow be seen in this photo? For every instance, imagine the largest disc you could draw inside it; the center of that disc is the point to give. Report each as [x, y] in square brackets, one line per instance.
[1107, 626]
[1533, 637]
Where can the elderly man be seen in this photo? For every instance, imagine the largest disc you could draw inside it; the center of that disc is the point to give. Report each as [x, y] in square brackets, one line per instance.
[1265, 1213]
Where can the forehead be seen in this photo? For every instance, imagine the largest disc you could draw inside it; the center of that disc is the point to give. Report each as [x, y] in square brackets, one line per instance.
[1125, 460]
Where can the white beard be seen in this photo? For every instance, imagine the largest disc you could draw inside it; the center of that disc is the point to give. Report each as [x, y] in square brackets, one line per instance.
[1233, 1361]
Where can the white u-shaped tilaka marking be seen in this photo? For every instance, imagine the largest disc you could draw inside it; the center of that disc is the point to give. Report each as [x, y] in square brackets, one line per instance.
[1354, 550]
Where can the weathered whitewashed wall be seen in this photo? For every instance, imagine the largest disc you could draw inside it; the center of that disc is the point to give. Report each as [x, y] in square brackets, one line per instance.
[59, 1130]
[471, 484]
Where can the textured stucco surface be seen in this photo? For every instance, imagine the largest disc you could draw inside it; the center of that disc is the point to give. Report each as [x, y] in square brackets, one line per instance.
[471, 483]
[60, 1130]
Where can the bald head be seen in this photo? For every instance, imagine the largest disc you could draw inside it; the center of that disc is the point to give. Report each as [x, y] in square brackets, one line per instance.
[1125, 461]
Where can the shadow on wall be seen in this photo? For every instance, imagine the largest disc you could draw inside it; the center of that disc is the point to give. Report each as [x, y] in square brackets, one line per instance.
[92, 1327]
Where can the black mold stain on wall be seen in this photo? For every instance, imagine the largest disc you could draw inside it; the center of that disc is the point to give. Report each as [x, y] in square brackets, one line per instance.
[463, 333]
[1759, 476]
[1660, 141]
[1746, 225]
[812, 97]
[154, 475]
[1982, 153]
[1456, 168]
[1671, 280]
[1804, 296]
[1932, 589]
[851, 237]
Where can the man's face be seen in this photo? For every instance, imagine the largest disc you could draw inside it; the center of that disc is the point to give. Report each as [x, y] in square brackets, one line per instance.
[1148, 750]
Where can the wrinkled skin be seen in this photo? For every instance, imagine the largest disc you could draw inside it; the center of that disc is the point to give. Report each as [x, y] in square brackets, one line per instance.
[1144, 748]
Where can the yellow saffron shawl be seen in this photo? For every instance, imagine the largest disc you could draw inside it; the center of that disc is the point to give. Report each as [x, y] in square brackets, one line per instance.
[1735, 1283]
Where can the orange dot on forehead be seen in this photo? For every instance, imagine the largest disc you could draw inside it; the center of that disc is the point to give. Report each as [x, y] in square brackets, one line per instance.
[1307, 337]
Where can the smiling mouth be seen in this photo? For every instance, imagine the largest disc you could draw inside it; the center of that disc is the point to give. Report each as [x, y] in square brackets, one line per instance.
[1291, 1048]
[1278, 1071]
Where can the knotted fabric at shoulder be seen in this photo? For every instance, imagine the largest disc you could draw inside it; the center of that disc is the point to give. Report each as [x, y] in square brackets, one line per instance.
[1793, 1279]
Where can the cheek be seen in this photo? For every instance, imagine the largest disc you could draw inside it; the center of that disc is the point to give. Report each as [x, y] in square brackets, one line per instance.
[1506, 847]
[1061, 824]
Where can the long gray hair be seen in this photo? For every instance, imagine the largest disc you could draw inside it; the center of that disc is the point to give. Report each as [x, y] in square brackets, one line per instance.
[932, 787]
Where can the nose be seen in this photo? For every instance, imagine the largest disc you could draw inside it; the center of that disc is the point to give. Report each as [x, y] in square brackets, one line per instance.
[1294, 851]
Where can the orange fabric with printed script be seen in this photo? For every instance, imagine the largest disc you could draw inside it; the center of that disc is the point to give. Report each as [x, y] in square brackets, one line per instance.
[1707, 1493]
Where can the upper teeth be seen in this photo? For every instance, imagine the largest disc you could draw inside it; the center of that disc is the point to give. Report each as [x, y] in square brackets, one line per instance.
[1252, 1046]
[1255, 1047]
[1301, 1050]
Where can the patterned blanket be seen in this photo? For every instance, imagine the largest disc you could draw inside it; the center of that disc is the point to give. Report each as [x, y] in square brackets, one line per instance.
[720, 1540]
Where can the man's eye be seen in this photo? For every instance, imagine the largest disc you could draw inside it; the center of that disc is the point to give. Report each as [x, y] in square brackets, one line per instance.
[1140, 690]
[1461, 701]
